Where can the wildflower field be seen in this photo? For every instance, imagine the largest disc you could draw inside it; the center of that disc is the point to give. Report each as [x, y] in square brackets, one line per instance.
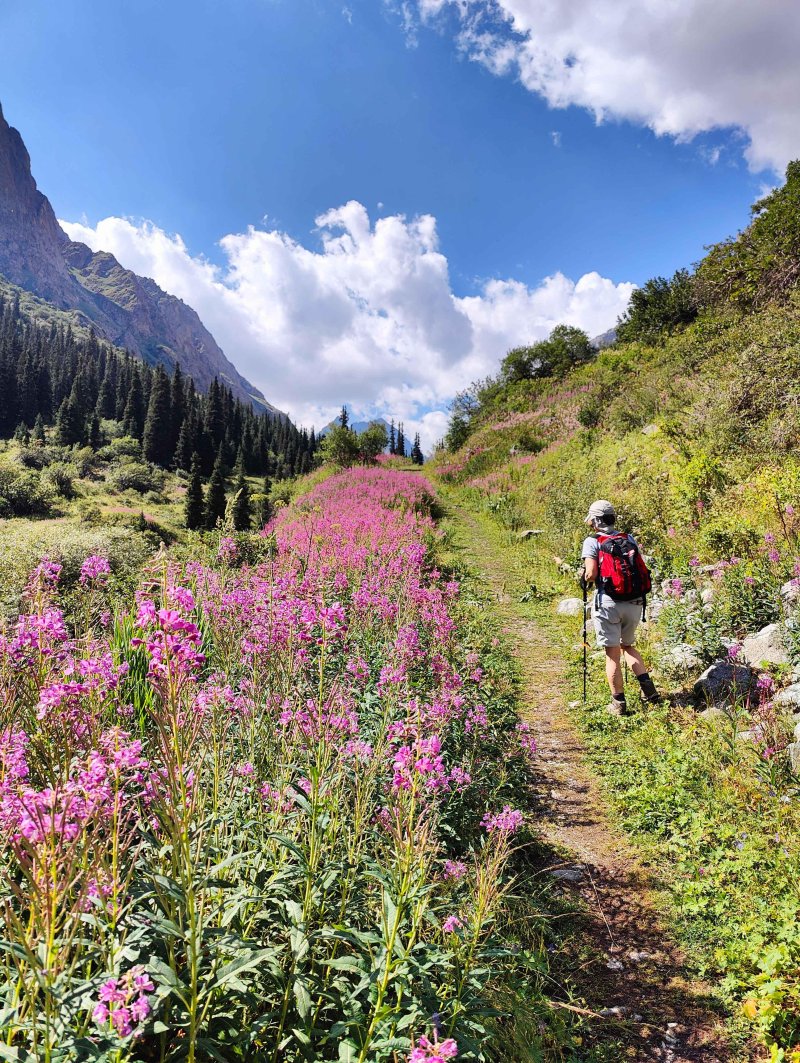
[264, 807]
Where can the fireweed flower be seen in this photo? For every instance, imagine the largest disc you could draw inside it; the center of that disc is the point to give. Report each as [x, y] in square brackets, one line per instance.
[506, 822]
[94, 570]
[454, 870]
[228, 551]
[435, 1051]
[451, 924]
[123, 1003]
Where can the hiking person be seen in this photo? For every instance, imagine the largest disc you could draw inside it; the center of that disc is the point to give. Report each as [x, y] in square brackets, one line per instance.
[612, 561]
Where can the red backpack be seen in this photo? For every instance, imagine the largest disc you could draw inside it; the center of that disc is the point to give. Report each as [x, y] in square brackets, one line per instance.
[621, 571]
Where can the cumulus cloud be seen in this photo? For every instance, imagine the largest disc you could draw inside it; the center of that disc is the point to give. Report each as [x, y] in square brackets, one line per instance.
[367, 316]
[680, 67]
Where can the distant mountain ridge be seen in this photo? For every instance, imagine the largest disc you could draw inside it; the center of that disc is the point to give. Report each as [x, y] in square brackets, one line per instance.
[127, 310]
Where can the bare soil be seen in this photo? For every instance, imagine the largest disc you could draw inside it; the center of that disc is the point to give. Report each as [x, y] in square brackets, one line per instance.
[621, 958]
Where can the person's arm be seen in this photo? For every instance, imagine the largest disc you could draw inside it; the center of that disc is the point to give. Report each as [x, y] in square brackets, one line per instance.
[590, 569]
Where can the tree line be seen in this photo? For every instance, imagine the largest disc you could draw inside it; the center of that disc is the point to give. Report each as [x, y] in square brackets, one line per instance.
[77, 385]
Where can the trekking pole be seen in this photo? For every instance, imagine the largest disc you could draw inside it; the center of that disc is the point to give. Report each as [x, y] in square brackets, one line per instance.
[585, 666]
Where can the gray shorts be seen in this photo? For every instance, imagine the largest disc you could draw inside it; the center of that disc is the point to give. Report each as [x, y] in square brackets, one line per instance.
[615, 623]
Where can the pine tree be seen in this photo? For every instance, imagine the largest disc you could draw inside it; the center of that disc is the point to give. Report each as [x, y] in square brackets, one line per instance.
[93, 433]
[215, 498]
[38, 435]
[400, 447]
[416, 452]
[156, 438]
[241, 514]
[344, 417]
[69, 423]
[392, 442]
[133, 418]
[194, 506]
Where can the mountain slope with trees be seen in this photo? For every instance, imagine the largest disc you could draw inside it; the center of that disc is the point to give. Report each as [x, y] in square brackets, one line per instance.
[127, 310]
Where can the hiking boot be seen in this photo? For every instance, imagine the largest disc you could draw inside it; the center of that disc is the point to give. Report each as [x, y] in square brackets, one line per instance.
[648, 688]
[618, 708]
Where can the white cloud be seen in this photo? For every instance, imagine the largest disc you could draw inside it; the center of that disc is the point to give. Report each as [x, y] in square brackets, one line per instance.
[555, 136]
[680, 67]
[368, 317]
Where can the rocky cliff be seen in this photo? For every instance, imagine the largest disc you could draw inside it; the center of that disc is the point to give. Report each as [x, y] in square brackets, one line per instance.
[128, 310]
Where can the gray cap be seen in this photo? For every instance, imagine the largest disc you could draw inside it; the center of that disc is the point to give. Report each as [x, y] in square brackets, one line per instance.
[599, 509]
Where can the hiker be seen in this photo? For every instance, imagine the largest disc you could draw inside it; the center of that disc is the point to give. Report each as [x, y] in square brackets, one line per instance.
[611, 560]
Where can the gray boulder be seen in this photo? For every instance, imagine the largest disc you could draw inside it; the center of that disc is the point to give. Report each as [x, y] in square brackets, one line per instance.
[794, 756]
[789, 697]
[723, 681]
[681, 658]
[570, 607]
[766, 645]
[707, 596]
[797, 731]
[790, 591]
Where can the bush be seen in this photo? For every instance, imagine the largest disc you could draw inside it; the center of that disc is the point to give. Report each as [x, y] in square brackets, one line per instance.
[60, 477]
[22, 494]
[124, 447]
[136, 476]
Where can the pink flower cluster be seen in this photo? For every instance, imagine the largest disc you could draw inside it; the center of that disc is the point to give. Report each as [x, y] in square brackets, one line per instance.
[434, 1051]
[95, 570]
[506, 822]
[123, 1002]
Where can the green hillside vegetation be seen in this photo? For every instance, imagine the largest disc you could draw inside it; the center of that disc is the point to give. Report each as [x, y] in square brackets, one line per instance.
[690, 423]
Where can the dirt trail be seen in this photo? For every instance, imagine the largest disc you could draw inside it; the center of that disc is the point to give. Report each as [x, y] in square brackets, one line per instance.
[623, 956]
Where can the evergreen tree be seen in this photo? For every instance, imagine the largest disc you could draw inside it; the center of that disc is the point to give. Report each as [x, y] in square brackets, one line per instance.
[187, 440]
[133, 418]
[38, 430]
[344, 417]
[156, 437]
[241, 513]
[392, 441]
[194, 506]
[400, 446]
[69, 423]
[416, 452]
[93, 434]
[215, 497]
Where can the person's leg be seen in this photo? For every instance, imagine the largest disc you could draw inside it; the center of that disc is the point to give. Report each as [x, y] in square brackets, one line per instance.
[634, 659]
[613, 669]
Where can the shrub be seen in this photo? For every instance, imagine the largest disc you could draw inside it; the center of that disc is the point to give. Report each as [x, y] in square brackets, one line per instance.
[23, 494]
[136, 476]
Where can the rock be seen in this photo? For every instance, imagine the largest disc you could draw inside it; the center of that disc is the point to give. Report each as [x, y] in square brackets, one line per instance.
[614, 965]
[568, 874]
[797, 731]
[794, 756]
[655, 607]
[650, 430]
[617, 1012]
[707, 596]
[681, 658]
[570, 607]
[713, 712]
[789, 697]
[767, 645]
[790, 591]
[530, 532]
[723, 681]
[639, 956]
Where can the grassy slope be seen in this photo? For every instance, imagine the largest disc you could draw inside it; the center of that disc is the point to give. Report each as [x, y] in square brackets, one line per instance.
[711, 475]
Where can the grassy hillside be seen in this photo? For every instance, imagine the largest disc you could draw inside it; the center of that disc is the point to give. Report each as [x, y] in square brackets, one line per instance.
[690, 424]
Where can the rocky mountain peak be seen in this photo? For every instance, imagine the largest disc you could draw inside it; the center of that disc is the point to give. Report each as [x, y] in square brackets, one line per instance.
[127, 310]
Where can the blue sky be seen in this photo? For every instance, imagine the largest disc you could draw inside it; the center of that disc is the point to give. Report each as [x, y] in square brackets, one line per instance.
[203, 119]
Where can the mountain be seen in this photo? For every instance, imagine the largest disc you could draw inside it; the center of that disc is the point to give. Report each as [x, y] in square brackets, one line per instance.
[125, 309]
[355, 426]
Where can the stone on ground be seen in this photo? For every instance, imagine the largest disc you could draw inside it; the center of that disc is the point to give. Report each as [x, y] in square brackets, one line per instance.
[790, 697]
[723, 681]
[766, 645]
[681, 658]
[570, 607]
[794, 756]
